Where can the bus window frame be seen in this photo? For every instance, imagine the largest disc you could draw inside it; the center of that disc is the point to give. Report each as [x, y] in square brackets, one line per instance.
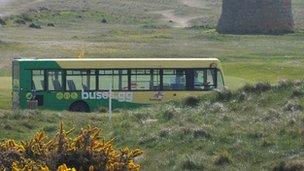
[129, 74]
[46, 80]
[205, 84]
[175, 73]
[151, 71]
[32, 80]
[113, 74]
[81, 70]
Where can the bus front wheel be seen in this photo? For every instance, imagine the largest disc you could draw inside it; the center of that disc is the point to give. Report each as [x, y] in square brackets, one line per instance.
[79, 106]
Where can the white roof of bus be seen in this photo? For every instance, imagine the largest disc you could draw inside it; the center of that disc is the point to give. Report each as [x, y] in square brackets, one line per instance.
[91, 63]
[117, 59]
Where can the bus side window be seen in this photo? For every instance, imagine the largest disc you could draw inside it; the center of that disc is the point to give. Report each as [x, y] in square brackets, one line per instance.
[174, 79]
[71, 85]
[77, 80]
[55, 80]
[148, 79]
[199, 79]
[118, 79]
[205, 79]
[37, 79]
[210, 79]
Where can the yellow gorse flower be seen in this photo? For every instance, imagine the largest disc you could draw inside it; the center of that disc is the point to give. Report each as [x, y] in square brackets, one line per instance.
[86, 152]
[65, 168]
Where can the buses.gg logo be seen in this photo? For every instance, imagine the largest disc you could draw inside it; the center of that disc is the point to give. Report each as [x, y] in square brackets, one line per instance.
[66, 96]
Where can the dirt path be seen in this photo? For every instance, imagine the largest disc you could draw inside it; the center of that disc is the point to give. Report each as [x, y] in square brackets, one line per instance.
[179, 21]
[183, 21]
[3, 4]
[195, 3]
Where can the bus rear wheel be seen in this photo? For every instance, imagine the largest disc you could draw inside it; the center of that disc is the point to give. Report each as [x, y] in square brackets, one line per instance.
[79, 106]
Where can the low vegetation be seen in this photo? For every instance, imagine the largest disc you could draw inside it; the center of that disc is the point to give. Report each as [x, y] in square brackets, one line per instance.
[256, 127]
[251, 126]
[85, 152]
[138, 29]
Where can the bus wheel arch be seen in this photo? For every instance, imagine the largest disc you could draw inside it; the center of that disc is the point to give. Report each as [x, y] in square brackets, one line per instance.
[79, 106]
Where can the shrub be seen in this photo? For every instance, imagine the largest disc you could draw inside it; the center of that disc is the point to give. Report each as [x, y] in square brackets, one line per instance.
[222, 158]
[262, 87]
[297, 92]
[85, 152]
[26, 17]
[294, 165]
[2, 22]
[50, 25]
[224, 95]
[257, 88]
[35, 25]
[104, 21]
[200, 133]
[292, 106]
[20, 21]
[191, 101]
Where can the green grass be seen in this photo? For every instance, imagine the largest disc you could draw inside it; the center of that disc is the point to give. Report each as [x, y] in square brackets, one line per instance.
[249, 129]
[134, 30]
[5, 92]
[252, 134]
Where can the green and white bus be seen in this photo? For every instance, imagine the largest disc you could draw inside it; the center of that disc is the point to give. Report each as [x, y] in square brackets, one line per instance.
[83, 84]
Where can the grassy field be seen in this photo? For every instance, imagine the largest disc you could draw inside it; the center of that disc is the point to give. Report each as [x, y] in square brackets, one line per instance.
[252, 134]
[255, 128]
[142, 33]
[5, 93]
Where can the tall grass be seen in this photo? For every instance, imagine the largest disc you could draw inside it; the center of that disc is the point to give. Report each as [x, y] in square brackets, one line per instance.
[256, 127]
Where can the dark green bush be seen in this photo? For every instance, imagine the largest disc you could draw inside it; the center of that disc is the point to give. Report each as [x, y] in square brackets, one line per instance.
[50, 25]
[2, 22]
[35, 25]
[225, 95]
[191, 101]
[257, 88]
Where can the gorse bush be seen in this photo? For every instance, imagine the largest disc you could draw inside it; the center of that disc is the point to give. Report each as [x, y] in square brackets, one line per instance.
[85, 152]
[257, 88]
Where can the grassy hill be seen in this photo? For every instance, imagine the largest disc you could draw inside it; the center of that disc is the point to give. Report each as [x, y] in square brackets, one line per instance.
[146, 28]
[257, 127]
[253, 128]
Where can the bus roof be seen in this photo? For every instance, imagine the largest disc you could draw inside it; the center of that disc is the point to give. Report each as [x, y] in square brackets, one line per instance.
[94, 63]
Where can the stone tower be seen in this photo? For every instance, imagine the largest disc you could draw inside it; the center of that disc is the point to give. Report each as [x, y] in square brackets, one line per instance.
[256, 17]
